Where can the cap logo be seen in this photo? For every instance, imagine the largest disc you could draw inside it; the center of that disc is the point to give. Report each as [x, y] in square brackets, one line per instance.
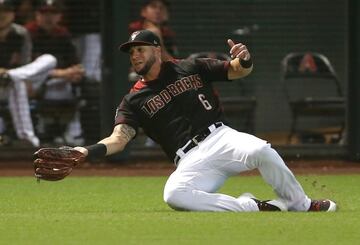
[133, 36]
[49, 2]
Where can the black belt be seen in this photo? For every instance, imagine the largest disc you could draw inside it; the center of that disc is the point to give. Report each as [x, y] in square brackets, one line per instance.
[196, 140]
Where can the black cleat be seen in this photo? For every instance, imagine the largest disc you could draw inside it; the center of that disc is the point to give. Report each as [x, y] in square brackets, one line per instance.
[266, 205]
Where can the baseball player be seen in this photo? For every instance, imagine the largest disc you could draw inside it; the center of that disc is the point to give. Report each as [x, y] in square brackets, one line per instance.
[15, 52]
[176, 106]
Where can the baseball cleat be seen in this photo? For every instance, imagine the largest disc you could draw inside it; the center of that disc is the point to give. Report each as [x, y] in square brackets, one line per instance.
[268, 205]
[324, 205]
[279, 204]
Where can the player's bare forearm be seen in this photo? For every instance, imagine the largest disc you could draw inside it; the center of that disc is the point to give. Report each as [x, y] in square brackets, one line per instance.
[73, 73]
[117, 141]
[119, 138]
[236, 70]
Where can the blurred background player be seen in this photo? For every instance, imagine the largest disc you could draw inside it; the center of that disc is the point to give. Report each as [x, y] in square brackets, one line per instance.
[15, 52]
[50, 37]
[24, 11]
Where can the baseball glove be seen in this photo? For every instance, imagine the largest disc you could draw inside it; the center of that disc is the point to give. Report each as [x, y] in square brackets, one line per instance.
[56, 163]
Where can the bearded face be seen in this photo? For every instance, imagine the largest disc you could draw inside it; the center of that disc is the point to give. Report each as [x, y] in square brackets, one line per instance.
[148, 64]
[142, 59]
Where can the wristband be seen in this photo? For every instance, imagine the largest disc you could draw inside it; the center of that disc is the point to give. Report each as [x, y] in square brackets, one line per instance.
[246, 63]
[96, 151]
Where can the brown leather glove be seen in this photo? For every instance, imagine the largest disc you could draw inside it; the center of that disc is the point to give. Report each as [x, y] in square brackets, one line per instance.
[56, 163]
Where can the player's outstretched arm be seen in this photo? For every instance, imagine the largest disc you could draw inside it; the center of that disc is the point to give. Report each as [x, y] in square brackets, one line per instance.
[116, 142]
[241, 64]
[57, 163]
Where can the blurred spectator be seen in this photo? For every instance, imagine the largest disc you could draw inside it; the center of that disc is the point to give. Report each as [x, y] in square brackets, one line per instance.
[24, 11]
[15, 52]
[154, 15]
[50, 37]
[83, 18]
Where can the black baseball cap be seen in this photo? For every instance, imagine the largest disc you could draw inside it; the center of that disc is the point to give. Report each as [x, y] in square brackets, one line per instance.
[140, 38]
[7, 5]
[48, 6]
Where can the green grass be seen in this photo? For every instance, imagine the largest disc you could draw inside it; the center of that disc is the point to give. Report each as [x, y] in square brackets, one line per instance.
[104, 210]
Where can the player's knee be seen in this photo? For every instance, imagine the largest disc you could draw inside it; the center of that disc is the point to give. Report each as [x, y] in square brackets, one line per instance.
[257, 156]
[48, 59]
[176, 198]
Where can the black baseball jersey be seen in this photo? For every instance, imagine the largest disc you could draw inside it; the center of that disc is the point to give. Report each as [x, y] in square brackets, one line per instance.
[56, 42]
[177, 105]
[15, 49]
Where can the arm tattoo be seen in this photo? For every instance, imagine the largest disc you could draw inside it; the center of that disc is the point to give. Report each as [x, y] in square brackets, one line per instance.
[126, 132]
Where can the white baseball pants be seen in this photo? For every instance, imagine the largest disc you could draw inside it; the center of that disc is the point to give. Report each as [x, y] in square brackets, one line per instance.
[224, 153]
[18, 100]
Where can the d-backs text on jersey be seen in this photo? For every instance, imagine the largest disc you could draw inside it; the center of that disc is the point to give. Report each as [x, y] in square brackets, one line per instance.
[157, 102]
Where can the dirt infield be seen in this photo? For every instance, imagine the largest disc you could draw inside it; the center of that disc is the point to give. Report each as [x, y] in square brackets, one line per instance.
[164, 168]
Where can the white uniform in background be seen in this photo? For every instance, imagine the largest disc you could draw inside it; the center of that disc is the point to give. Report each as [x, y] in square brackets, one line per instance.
[16, 92]
[19, 107]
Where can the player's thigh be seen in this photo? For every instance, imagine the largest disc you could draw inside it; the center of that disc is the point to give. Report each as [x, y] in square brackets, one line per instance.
[245, 149]
[208, 180]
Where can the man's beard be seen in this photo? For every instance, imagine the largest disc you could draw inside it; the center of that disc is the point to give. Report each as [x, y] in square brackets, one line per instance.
[147, 66]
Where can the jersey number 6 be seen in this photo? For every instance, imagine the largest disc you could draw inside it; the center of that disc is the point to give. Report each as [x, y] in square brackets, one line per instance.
[205, 102]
